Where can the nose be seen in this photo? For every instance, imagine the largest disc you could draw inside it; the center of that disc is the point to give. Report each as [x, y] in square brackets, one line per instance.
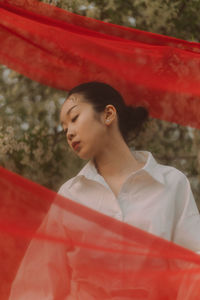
[70, 133]
[70, 136]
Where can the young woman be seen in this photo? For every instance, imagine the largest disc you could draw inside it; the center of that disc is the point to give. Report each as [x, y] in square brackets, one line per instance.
[132, 186]
[129, 186]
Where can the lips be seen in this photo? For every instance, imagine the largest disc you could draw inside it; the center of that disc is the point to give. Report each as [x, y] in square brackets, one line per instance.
[75, 145]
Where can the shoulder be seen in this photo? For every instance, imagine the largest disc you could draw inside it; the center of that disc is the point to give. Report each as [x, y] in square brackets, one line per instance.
[172, 175]
[64, 189]
[178, 188]
[176, 182]
[168, 175]
[88, 171]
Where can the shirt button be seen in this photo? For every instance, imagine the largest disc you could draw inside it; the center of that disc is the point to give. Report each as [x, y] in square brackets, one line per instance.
[118, 217]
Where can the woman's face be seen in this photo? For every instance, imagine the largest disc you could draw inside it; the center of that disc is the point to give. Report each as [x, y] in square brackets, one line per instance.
[85, 129]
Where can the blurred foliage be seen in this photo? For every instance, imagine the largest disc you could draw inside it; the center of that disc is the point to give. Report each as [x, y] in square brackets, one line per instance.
[31, 141]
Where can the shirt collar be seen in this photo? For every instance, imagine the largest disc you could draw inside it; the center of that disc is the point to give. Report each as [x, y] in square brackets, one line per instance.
[151, 167]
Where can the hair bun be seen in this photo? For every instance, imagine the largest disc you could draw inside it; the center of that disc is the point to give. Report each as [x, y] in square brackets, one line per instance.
[134, 118]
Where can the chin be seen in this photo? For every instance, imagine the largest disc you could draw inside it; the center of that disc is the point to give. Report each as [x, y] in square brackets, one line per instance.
[82, 155]
[85, 155]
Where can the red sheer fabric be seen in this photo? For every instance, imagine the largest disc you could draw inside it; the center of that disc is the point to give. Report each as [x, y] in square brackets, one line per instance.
[78, 253]
[62, 49]
[55, 248]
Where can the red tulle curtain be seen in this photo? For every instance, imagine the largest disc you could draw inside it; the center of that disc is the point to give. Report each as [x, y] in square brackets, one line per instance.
[62, 49]
[66, 251]
[78, 253]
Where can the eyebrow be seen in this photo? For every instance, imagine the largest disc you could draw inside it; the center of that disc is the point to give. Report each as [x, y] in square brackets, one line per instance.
[69, 111]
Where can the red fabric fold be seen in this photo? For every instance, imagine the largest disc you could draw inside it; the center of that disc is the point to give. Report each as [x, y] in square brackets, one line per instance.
[62, 49]
[78, 253]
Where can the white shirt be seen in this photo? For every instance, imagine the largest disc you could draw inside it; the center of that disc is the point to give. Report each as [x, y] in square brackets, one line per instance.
[156, 198]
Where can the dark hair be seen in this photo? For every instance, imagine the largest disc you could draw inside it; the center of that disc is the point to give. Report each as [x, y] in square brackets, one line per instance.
[100, 94]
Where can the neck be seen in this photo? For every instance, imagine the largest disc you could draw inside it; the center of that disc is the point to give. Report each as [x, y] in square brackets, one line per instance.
[116, 159]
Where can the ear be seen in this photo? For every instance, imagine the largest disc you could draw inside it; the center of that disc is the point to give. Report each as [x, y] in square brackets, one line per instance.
[109, 114]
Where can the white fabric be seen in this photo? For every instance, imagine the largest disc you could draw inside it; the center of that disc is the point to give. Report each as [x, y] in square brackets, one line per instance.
[156, 198]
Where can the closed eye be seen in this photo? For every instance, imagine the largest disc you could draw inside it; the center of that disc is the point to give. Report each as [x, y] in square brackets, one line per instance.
[74, 119]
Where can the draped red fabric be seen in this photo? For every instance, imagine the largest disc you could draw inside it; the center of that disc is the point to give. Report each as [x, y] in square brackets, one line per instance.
[78, 253]
[55, 248]
[62, 49]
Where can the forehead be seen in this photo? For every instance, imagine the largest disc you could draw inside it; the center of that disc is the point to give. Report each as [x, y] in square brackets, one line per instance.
[73, 100]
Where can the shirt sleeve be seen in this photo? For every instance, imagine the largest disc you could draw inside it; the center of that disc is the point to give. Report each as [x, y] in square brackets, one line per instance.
[187, 229]
[44, 273]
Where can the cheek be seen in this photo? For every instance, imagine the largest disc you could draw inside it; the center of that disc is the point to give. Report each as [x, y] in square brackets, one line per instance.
[91, 129]
[96, 137]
